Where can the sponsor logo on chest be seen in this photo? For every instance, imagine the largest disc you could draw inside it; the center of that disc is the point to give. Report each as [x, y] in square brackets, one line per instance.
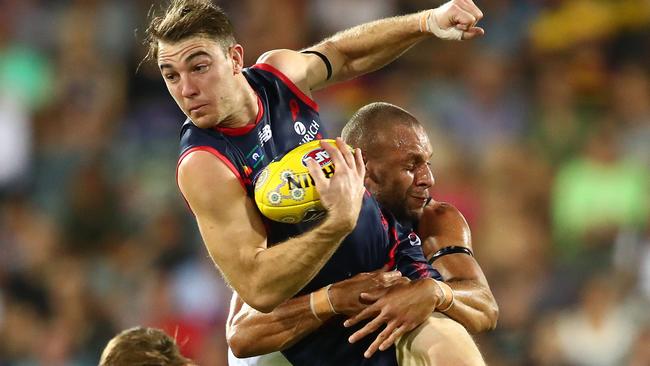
[310, 132]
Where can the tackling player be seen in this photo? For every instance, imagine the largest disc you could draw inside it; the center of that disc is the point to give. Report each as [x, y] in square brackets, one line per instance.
[397, 152]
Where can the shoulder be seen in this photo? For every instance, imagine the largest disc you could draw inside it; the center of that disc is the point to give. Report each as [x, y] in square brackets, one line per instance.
[291, 63]
[436, 209]
[443, 221]
[203, 176]
[303, 69]
[284, 60]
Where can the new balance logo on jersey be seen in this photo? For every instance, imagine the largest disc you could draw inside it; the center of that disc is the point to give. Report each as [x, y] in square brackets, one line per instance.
[265, 134]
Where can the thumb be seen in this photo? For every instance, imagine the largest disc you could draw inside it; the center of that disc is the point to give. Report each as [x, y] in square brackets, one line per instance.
[473, 32]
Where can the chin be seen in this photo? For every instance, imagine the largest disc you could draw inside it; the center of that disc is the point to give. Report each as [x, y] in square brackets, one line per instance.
[416, 214]
[202, 122]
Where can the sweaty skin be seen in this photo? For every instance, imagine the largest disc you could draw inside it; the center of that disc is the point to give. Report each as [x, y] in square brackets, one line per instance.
[398, 168]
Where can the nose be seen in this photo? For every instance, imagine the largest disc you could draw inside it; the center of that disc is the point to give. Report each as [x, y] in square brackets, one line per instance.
[424, 177]
[189, 88]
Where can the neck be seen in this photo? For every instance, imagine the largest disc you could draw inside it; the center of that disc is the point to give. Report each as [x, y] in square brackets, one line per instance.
[246, 107]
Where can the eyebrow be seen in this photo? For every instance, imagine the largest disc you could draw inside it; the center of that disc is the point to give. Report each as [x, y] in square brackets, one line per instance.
[187, 59]
[417, 156]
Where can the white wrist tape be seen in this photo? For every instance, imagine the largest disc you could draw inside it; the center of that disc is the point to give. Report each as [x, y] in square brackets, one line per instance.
[429, 23]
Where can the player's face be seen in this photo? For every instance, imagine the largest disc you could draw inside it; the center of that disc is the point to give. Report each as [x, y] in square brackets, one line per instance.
[199, 75]
[399, 173]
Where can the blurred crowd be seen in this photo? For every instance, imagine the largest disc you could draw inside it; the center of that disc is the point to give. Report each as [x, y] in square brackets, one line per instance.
[541, 136]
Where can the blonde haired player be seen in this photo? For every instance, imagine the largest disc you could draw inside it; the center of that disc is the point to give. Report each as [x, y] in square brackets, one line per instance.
[240, 119]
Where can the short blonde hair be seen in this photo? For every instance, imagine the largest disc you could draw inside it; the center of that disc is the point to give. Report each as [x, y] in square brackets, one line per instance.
[188, 18]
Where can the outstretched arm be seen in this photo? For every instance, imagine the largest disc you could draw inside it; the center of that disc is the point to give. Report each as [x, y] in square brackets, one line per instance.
[370, 46]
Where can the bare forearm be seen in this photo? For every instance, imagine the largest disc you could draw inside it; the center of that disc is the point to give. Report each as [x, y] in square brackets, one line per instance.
[474, 306]
[370, 46]
[442, 225]
[281, 271]
[250, 332]
[253, 333]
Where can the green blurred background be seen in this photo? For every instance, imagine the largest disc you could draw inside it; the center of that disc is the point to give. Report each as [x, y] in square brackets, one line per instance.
[541, 136]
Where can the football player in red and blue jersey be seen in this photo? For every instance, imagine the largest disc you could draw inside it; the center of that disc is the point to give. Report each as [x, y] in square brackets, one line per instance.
[240, 119]
[238, 116]
[397, 152]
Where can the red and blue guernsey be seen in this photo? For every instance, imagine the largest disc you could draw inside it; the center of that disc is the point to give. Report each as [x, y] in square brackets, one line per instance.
[288, 118]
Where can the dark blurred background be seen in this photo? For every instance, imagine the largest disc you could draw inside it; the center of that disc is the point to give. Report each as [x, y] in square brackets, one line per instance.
[541, 136]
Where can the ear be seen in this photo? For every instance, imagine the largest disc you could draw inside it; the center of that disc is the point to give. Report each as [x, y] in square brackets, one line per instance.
[237, 56]
[370, 180]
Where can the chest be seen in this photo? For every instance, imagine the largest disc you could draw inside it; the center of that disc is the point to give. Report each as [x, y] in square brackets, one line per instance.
[284, 124]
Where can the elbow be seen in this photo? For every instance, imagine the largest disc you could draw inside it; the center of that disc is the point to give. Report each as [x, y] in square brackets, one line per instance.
[262, 300]
[237, 340]
[242, 338]
[241, 335]
[262, 293]
[263, 304]
[488, 322]
[239, 348]
[475, 327]
[491, 312]
[493, 315]
[240, 345]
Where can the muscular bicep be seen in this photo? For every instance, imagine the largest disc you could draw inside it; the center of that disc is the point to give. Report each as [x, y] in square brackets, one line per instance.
[442, 225]
[459, 266]
[307, 70]
[230, 226]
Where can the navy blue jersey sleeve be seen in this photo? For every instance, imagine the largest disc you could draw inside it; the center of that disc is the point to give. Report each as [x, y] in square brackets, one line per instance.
[410, 260]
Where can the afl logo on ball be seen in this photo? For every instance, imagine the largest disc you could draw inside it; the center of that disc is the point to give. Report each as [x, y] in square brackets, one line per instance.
[414, 239]
[319, 155]
[300, 128]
